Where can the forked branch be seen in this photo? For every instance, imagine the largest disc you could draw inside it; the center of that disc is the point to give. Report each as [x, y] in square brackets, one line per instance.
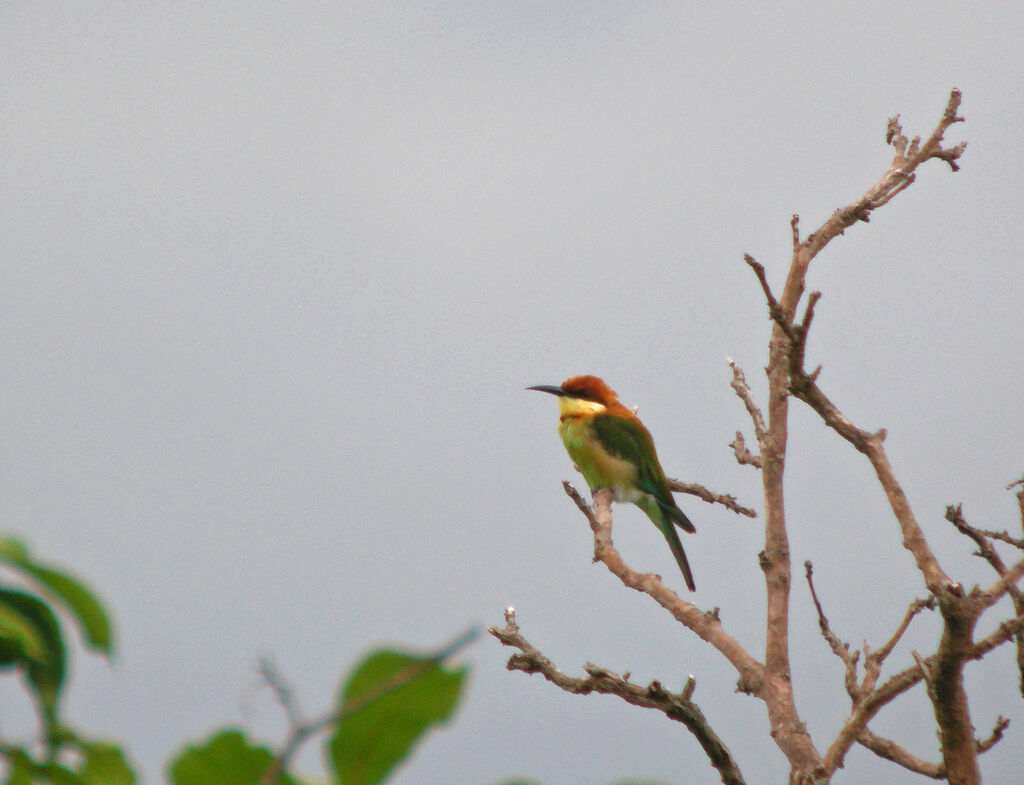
[675, 706]
[706, 625]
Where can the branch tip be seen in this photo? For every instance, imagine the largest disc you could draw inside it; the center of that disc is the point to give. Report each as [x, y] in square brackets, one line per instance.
[689, 687]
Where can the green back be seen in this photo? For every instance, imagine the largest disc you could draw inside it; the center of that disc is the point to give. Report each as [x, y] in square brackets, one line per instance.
[629, 440]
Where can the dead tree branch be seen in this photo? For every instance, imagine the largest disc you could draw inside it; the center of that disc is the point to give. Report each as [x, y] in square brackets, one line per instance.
[742, 454]
[675, 706]
[771, 680]
[986, 550]
[787, 375]
[839, 648]
[727, 500]
[890, 750]
[706, 625]
[739, 446]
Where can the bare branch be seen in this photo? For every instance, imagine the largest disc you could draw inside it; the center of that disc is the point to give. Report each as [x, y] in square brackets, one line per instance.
[900, 174]
[954, 514]
[1004, 536]
[739, 384]
[774, 310]
[707, 626]
[531, 660]
[786, 375]
[873, 660]
[727, 500]
[984, 745]
[1020, 500]
[1004, 632]
[840, 649]
[985, 549]
[1006, 582]
[890, 750]
[1018, 543]
[742, 454]
[282, 691]
[871, 445]
[677, 707]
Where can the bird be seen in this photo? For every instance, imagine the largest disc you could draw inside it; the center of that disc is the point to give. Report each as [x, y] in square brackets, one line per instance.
[612, 449]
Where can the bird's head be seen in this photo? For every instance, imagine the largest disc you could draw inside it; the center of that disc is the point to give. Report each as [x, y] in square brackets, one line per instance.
[582, 395]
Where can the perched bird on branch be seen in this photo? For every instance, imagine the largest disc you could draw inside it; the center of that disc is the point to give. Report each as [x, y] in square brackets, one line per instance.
[613, 449]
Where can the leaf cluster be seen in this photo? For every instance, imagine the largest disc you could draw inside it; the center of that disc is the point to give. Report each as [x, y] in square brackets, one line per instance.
[34, 599]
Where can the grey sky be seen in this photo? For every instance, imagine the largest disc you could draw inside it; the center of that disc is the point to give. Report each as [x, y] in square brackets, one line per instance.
[275, 279]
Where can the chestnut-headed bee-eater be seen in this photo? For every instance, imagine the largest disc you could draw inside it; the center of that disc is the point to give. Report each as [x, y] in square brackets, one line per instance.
[612, 449]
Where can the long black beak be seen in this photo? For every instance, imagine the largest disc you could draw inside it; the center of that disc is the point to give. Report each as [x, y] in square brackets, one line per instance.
[548, 389]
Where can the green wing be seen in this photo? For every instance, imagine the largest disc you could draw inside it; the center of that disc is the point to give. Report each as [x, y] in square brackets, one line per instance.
[629, 440]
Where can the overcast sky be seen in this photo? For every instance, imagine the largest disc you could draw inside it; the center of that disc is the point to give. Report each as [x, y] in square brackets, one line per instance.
[275, 279]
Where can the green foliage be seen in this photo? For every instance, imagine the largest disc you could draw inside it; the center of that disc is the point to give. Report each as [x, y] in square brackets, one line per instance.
[70, 595]
[69, 760]
[32, 643]
[21, 640]
[45, 672]
[387, 704]
[105, 764]
[228, 758]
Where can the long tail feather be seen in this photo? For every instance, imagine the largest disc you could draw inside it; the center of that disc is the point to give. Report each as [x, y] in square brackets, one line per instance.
[676, 516]
[679, 553]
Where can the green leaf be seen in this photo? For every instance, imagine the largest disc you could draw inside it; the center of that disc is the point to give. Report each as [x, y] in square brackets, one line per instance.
[45, 674]
[83, 606]
[20, 639]
[390, 700]
[80, 603]
[13, 550]
[105, 764]
[228, 758]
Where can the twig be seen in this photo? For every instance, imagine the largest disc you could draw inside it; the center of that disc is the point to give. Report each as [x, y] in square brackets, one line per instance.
[1004, 536]
[677, 707]
[840, 649]
[775, 311]
[984, 745]
[739, 384]
[727, 500]
[873, 660]
[1020, 500]
[954, 514]
[282, 691]
[890, 750]
[742, 454]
